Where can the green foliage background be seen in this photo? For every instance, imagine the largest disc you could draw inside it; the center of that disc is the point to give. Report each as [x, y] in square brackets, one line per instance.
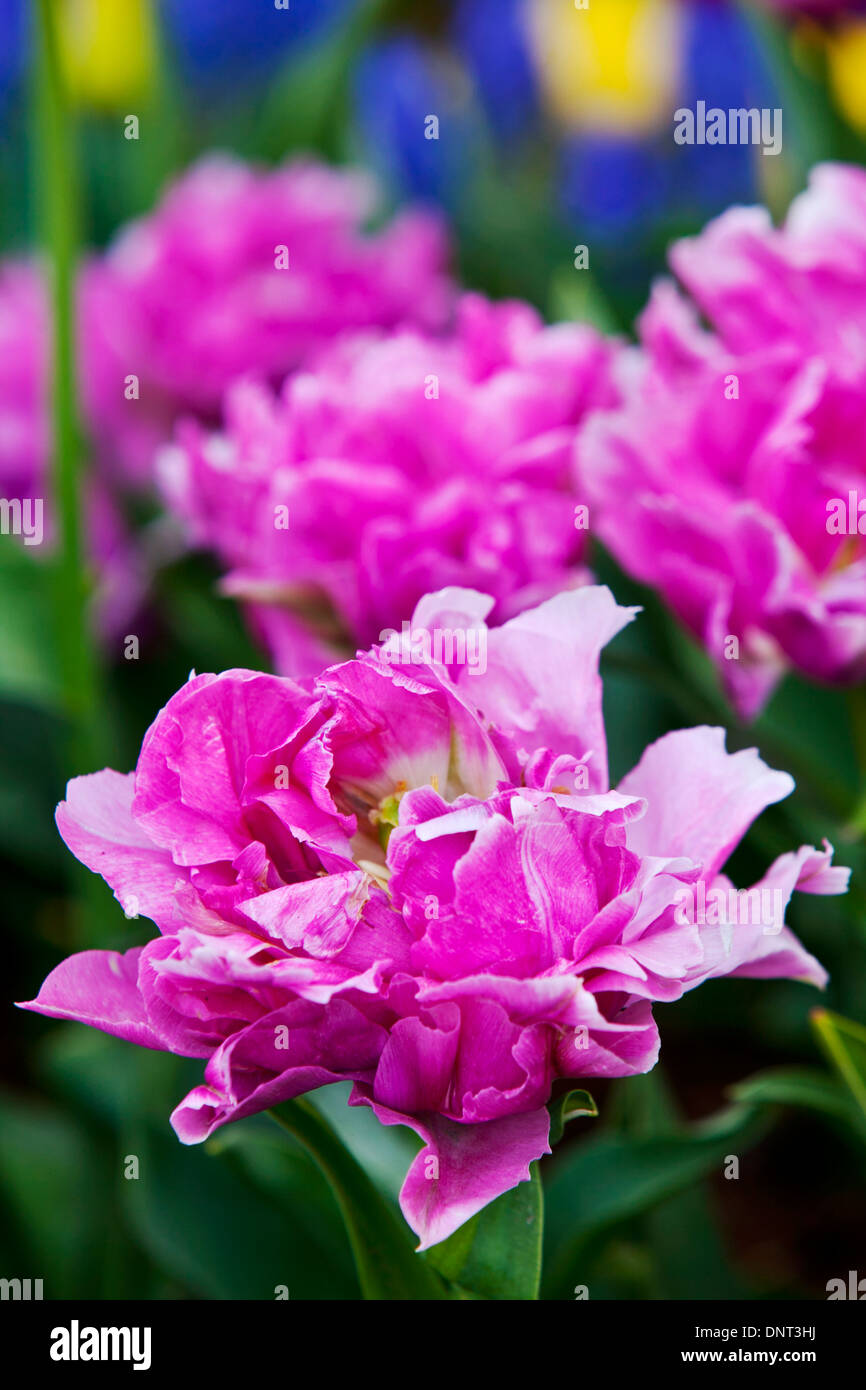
[635, 1201]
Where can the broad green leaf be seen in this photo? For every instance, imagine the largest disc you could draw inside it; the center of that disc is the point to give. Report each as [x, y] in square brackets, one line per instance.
[199, 1217]
[497, 1254]
[52, 1204]
[277, 1221]
[383, 1151]
[387, 1265]
[108, 1079]
[685, 1251]
[689, 1256]
[30, 740]
[611, 1178]
[28, 659]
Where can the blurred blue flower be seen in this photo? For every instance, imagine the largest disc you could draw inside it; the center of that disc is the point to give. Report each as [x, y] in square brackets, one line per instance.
[610, 80]
[399, 84]
[13, 26]
[722, 66]
[216, 37]
[612, 186]
[491, 38]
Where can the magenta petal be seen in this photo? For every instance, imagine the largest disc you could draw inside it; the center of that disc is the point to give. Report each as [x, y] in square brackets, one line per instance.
[722, 501]
[415, 1067]
[701, 799]
[99, 988]
[257, 1068]
[319, 916]
[191, 772]
[626, 1047]
[97, 824]
[206, 1109]
[816, 871]
[542, 684]
[770, 950]
[515, 932]
[462, 1167]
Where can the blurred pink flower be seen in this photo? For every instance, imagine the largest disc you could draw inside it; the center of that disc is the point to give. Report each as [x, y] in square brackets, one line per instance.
[399, 463]
[245, 269]
[731, 477]
[25, 446]
[369, 879]
[184, 300]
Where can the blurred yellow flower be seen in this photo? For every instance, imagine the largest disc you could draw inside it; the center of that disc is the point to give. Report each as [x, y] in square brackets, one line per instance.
[612, 66]
[108, 49]
[846, 57]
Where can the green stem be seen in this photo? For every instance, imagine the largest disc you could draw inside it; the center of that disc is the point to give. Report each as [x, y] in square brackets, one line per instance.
[57, 200]
[388, 1267]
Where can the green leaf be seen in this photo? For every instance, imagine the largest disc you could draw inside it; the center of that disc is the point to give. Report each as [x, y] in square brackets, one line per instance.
[387, 1265]
[51, 1185]
[30, 740]
[611, 1178]
[569, 1107]
[844, 1043]
[575, 295]
[806, 1087]
[201, 1219]
[383, 1151]
[811, 124]
[686, 1254]
[498, 1253]
[230, 1219]
[28, 661]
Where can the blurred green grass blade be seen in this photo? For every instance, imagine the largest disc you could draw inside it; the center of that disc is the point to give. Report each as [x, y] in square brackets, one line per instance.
[857, 712]
[807, 1088]
[811, 126]
[57, 191]
[387, 1265]
[497, 1254]
[309, 103]
[844, 1043]
[576, 296]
